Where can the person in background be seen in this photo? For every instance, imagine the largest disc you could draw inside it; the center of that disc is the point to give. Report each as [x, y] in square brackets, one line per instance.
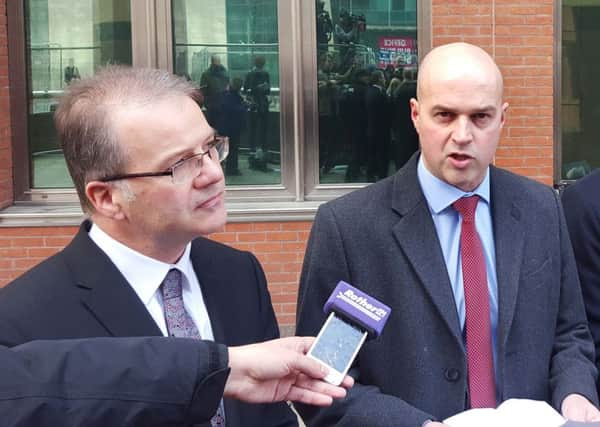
[474, 261]
[233, 122]
[257, 87]
[405, 137]
[71, 72]
[213, 84]
[582, 211]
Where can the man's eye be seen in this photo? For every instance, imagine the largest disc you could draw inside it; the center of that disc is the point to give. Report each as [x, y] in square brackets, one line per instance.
[481, 117]
[443, 115]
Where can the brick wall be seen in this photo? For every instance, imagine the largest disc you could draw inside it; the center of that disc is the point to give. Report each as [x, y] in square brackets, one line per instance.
[278, 246]
[6, 194]
[519, 34]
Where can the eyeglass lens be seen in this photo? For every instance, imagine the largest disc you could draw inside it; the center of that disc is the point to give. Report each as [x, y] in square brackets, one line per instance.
[190, 168]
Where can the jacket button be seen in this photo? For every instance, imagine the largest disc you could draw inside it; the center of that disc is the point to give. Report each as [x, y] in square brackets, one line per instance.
[452, 374]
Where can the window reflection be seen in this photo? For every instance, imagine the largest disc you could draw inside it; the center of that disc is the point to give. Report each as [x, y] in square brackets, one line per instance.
[231, 50]
[66, 40]
[366, 74]
[580, 114]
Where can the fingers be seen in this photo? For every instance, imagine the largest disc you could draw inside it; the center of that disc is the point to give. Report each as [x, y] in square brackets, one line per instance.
[298, 344]
[308, 366]
[347, 382]
[318, 386]
[309, 397]
[314, 392]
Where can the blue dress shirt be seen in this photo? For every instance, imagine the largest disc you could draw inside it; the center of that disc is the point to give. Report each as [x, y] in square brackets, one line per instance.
[440, 196]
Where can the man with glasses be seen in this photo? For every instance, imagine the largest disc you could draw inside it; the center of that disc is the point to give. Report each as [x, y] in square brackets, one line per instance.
[146, 166]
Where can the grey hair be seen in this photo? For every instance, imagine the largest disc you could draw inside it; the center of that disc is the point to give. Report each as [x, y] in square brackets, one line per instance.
[83, 118]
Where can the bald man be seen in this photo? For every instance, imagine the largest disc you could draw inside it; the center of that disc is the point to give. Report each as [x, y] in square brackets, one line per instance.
[482, 310]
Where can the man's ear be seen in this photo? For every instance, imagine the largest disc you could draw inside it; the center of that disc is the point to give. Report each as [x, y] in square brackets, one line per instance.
[105, 199]
[414, 113]
[504, 110]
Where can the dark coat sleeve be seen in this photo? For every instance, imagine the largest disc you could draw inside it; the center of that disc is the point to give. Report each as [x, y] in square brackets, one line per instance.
[111, 381]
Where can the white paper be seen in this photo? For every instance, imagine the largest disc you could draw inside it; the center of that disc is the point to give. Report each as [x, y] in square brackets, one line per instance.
[513, 413]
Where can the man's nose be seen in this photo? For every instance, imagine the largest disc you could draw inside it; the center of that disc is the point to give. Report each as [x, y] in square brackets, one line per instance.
[462, 132]
[211, 172]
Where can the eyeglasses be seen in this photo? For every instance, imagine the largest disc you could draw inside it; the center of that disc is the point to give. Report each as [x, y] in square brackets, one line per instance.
[185, 169]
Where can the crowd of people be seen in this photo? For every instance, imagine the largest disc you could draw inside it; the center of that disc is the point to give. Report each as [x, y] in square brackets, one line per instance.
[235, 105]
[364, 118]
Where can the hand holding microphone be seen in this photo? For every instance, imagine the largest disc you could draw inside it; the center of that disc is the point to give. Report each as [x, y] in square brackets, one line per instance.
[354, 317]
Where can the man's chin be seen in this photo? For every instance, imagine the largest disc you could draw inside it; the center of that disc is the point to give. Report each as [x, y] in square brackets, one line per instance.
[214, 223]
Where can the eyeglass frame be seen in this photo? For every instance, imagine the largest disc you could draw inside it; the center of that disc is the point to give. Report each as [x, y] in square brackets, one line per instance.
[217, 139]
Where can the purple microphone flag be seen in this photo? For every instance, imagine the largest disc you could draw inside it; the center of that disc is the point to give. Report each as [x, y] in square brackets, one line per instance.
[359, 307]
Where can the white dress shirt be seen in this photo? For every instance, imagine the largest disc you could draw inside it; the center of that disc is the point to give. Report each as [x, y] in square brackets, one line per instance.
[146, 274]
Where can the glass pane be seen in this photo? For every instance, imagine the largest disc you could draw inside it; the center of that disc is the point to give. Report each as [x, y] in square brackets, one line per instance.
[580, 111]
[366, 72]
[66, 40]
[231, 50]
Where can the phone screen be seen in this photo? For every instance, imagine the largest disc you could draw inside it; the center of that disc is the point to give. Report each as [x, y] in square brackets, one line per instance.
[337, 344]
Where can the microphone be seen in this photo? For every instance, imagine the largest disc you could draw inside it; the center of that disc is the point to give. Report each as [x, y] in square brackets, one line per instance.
[353, 316]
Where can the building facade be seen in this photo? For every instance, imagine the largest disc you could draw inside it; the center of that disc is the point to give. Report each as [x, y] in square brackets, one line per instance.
[301, 67]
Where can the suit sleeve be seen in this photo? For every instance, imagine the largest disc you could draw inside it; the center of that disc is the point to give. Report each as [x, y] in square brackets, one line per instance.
[582, 212]
[107, 381]
[572, 369]
[325, 264]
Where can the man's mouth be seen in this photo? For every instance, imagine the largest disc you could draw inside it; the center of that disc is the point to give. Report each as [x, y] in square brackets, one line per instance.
[211, 202]
[460, 160]
[460, 157]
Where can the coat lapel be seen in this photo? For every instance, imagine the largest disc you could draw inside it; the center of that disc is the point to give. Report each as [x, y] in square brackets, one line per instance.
[417, 237]
[509, 236]
[105, 292]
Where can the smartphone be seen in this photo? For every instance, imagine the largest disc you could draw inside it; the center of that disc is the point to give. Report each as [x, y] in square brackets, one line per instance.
[336, 347]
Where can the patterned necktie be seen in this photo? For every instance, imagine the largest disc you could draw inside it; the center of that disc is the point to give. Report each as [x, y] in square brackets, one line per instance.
[180, 323]
[477, 307]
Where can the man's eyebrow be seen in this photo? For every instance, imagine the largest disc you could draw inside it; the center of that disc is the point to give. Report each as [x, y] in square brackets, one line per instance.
[484, 109]
[184, 154]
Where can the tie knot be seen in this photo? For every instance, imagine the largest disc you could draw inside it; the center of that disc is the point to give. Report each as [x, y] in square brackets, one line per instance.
[466, 207]
[171, 286]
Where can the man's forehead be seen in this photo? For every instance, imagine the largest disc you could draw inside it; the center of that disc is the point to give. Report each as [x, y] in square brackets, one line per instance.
[460, 63]
[466, 88]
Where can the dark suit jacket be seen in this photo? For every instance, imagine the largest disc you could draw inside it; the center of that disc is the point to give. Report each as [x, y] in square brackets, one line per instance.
[145, 382]
[382, 240]
[582, 210]
[79, 293]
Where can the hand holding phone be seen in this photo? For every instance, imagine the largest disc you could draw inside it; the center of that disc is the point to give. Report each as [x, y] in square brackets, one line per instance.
[354, 317]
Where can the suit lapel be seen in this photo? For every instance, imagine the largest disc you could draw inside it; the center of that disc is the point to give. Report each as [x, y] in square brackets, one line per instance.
[214, 291]
[104, 290]
[210, 283]
[417, 237]
[509, 236]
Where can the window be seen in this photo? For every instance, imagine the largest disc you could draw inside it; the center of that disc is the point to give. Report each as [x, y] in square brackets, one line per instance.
[580, 100]
[292, 83]
[366, 73]
[66, 40]
[231, 50]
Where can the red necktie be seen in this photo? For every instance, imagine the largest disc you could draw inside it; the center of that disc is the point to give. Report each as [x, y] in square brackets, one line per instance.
[477, 307]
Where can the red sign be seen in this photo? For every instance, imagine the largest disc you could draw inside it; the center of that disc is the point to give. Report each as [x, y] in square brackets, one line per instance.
[397, 51]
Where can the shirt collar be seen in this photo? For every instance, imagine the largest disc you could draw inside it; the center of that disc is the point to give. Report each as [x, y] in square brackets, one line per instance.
[143, 273]
[440, 194]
